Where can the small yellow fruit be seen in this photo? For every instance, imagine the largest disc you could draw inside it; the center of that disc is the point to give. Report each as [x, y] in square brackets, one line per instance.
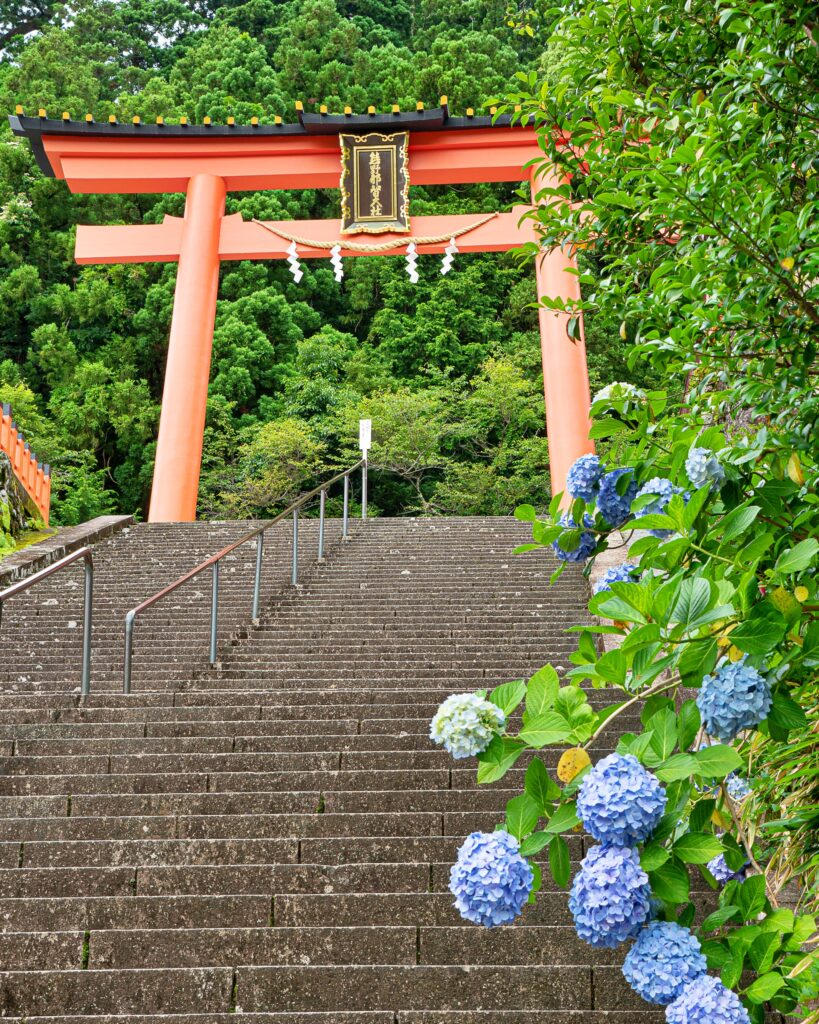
[801, 594]
[571, 763]
[787, 263]
[785, 602]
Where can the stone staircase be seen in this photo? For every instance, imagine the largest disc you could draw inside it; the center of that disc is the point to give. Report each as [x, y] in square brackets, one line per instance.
[273, 837]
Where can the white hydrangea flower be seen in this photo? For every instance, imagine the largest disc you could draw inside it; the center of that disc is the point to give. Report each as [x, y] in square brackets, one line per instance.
[465, 724]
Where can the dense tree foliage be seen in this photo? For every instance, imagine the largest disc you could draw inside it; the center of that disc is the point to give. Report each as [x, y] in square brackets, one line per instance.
[82, 349]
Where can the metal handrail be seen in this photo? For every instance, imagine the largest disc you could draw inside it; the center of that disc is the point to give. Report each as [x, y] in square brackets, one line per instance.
[88, 597]
[259, 532]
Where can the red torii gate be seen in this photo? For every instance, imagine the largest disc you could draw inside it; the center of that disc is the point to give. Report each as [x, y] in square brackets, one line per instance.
[207, 161]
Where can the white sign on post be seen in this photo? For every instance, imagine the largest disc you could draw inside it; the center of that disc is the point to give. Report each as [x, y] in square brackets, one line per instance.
[365, 436]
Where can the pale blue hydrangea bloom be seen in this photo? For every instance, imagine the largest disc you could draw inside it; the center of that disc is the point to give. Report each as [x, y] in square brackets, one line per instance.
[738, 787]
[620, 391]
[703, 467]
[623, 573]
[734, 698]
[465, 724]
[619, 802]
[663, 490]
[610, 899]
[588, 540]
[583, 477]
[613, 506]
[707, 1001]
[663, 960]
[722, 873]
[490, 880]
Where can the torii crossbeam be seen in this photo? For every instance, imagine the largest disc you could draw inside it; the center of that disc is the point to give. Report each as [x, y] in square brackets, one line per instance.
[207, 161]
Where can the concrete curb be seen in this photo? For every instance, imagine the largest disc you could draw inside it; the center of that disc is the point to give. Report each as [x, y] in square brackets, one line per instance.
[45, 552]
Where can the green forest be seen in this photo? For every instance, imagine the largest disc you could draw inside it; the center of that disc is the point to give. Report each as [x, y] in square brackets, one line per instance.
[448, 368]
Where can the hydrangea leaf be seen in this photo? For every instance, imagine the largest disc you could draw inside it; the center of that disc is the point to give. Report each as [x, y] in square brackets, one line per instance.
[697, 847]
[564, 818]
[671, 882]
[786, 713]
[541, 691]
[761, 631]
[717, 761]
[544, 730]
[498, 758]
[559, 863]
[539, 784]
[507, 696]
[798, 557]
[522, 813]
[764, 987]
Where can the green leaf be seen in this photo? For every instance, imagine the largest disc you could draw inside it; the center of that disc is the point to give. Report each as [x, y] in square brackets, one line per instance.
[534, 843]
[680, 766]
[526, 513]
[693, 599]
[498, 758]
[541, 691]
[732, 970]
[671, 882]
[719, 918]
[522, 813]
[697, 661]
[545, 729]
[653, 857]
[664, 733]
[764, 987]
[799, 557]
[751, 898]
[786, 713]
[559, 863]
[738, 521]
[761, 631]
[539, 785]
[564, 818]
[507, 696]
[695, 505]
[701, 813]
[763, 950]
[697, 847]
[689, 723]
[717, 761]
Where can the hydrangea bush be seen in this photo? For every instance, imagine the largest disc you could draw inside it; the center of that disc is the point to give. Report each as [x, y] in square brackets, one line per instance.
[713, 635]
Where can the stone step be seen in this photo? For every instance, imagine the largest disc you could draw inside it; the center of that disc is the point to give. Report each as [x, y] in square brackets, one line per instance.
[87, 913]
[218, 947]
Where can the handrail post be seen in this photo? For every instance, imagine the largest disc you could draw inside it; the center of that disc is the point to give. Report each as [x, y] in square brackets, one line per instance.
[364, 490]
[214, 612]
[257, 583]
[344, 533]
[85, 686]
[322, 506]
[130, 618]
[294, 576]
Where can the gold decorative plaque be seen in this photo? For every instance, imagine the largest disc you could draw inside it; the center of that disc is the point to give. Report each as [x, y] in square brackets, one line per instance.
[374, 183]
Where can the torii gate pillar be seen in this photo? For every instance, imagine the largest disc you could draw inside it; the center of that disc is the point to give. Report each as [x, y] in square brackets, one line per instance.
[565, 370]
[187, 372]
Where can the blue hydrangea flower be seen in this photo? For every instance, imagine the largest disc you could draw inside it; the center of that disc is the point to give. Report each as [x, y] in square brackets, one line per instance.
[583, 477]
[623, 573]
[722, 873]
[490, 880]
[588, 540]
[663, 490]
[707, 1001]
[610, 899]
[613, 506]
[465, 724]
[620, 391]
[703, 467]
[663, 960]
[619, 802]
[734, 698]
[738, 787]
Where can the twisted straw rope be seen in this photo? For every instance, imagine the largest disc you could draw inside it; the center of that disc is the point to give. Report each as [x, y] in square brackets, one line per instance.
[398, 243]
